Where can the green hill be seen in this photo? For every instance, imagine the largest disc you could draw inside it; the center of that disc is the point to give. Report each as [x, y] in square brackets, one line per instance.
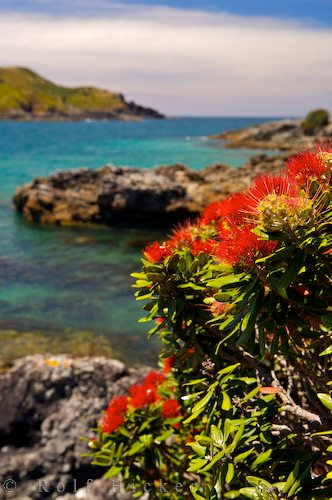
[24, 95]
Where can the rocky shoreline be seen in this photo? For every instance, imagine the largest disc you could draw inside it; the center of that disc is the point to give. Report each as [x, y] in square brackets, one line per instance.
[47, 404]
[134, 197]
[284, 135]
[130, 111]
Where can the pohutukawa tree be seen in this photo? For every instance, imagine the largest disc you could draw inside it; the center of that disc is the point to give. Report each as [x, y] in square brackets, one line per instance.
[241, 300]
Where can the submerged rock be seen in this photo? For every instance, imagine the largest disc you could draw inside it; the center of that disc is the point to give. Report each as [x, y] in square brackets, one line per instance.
[47, 404]
[133, 197]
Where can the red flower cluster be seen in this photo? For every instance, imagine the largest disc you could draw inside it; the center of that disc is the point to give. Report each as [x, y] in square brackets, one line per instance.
[146, 393]
[113, 417]
[168, 364]
[140, 395]
[273, 203]
[241, 245]
[156, 253]
[171, 409]
[232, 208]
[306, 167]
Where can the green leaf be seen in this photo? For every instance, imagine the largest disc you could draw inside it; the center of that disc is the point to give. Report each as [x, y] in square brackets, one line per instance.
[226, 402]
[258, 481]
[113, 471]
[232, 494]
[195, 493]
[245, 336]
[242, 456]
[191, 286]
[254, 309]
[291, 272]
[164, 436]
[262, 458]
[227, 370]
[217, 436]
[250, 394]
[203, 402]
[198, 448]
[250, 493]
[326, 400]
[327, 320]
[292, 477]
[230, 473]
[327, 351]
[199, 407]
[215, 459]
[224, 280]
[197, 464]
[297, 485]
[322, 433]
[196, 381]
[238, 434]
[194, 395]
[136, 448]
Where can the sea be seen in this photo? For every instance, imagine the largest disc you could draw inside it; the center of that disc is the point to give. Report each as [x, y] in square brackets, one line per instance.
[69, 289]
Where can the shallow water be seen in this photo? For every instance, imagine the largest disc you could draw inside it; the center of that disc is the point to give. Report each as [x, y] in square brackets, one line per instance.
[61, 280]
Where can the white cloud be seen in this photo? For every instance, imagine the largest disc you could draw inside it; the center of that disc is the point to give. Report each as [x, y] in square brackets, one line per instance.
[181, 62]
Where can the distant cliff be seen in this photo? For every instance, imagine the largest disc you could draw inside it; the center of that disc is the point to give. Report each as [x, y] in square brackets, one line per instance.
[24, 95]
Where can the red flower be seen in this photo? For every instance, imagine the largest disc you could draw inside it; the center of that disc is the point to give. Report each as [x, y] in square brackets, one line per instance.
[118, 404]
[171, 409]
[233, 206]
[202, 246]
[268, 184]
[168, 364]
[241, 246]
[155, 253]
[306, 167]
[111, 422]
[143, 395]
[154, 378]
[183, 235]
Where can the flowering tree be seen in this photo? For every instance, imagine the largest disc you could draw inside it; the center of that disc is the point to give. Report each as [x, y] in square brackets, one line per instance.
[241, 300]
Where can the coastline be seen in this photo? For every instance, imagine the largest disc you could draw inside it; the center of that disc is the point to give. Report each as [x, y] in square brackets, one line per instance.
[134, 197]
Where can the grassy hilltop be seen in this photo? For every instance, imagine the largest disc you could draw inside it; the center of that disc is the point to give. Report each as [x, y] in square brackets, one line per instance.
[25, 95]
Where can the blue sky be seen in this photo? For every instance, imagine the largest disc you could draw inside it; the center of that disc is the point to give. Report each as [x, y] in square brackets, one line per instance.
[240, 57]
[308, 10]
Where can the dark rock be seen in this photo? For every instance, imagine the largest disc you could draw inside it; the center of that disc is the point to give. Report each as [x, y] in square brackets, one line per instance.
[47, 404]
[134, 197]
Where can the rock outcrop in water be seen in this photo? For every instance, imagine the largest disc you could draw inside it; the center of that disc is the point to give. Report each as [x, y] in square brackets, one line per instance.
[134, 196]
[285, 135]
[47, 404]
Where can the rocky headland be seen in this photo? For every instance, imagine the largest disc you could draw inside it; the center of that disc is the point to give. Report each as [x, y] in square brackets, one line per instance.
[134, 197]
[47, 404]
[284, 135]
[26, 96]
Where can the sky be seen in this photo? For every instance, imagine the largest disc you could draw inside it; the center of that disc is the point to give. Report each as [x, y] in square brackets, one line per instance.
[211, 58]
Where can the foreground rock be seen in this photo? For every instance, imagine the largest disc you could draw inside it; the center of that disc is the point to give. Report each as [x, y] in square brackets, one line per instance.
[286, 135]
[134, 196]
[46, 405]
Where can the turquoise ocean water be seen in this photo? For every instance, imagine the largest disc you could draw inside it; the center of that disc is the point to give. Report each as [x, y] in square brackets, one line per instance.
[57, 280]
